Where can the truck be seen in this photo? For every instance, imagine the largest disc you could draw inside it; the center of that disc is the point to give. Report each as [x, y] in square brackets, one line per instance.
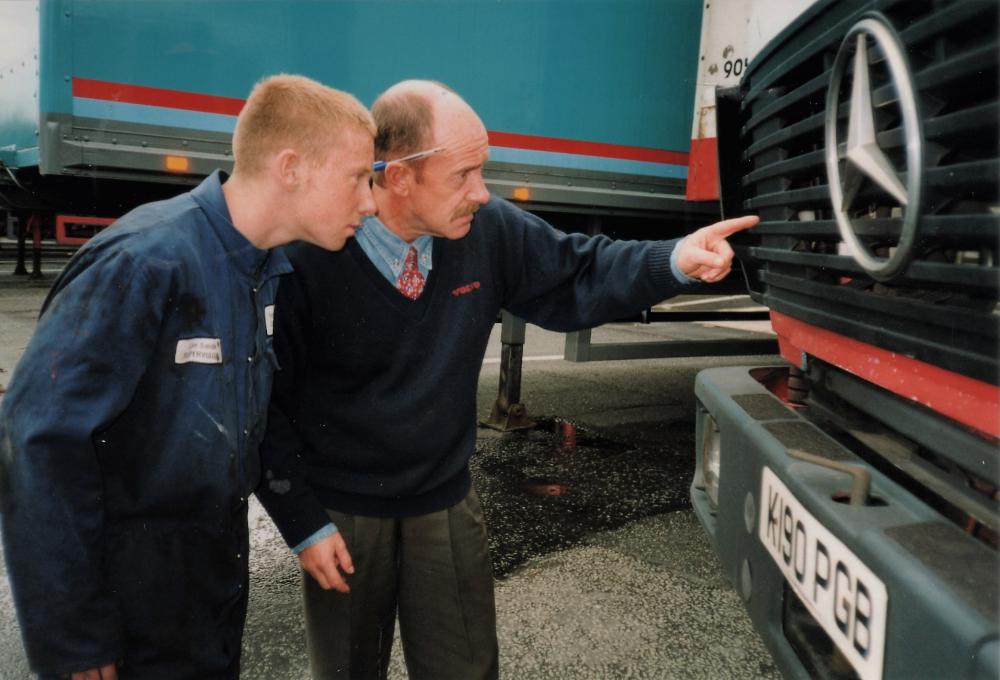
[106, 104]
[851, 491]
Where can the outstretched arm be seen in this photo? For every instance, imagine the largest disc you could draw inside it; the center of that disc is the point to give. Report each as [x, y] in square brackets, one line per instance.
[566, 282]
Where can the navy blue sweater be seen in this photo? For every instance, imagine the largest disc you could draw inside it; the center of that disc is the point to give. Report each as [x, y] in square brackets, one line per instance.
[374, 408]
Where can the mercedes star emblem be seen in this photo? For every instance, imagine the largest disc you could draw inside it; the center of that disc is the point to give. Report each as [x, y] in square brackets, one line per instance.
[863, 159]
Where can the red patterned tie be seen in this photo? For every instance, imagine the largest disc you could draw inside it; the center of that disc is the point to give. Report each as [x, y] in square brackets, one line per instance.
[411, 281]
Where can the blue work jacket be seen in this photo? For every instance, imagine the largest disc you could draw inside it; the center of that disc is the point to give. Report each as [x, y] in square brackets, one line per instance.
[128, 445]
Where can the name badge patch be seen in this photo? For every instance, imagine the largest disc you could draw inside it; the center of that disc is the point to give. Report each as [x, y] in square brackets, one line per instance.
[199, 351]
[269, 319]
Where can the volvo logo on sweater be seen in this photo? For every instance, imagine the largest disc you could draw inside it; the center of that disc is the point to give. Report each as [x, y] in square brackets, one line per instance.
[466, 289]
[857, 164]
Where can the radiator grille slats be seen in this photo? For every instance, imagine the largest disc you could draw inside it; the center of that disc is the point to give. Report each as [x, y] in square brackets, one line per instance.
[971, 231]
[897, 332]
[809, 126]
[943, 306]
[968, 65]
[935, 23]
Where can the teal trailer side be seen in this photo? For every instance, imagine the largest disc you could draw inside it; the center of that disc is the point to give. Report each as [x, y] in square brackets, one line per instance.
[589, 104]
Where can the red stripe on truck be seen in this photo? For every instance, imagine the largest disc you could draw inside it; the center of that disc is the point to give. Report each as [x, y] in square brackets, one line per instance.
[961, 398]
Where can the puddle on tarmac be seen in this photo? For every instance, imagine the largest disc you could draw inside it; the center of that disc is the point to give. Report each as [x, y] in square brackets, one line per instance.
[546, 488]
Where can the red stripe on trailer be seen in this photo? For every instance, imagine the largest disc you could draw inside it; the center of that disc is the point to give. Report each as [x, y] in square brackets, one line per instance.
[514, 140]
[971, 402]
[703, 171]
[207, 103]
[155, 96]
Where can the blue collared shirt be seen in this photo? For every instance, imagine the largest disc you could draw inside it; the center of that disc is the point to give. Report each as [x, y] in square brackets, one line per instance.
[388, 252]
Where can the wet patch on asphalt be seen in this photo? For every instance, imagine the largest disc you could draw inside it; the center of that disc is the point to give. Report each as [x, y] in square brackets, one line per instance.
[547, 488]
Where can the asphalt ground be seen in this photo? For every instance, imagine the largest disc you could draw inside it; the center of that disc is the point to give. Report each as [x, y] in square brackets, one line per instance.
[602, 570]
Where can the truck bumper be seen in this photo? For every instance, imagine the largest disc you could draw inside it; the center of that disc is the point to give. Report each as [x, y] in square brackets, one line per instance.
[886, 589]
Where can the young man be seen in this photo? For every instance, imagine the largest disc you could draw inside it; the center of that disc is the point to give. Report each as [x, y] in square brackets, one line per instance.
[373, 417]
[129, 433]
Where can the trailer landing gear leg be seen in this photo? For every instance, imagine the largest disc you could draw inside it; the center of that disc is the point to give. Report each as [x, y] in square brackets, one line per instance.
[35, 224]
[22, 234]
[508, 412]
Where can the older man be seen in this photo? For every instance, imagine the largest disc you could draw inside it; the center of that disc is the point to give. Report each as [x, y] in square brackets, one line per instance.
[373, 416]
[130, 430]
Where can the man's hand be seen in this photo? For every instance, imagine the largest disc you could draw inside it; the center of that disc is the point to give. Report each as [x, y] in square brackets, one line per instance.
[322, 559]
[104, 673]
[705, 255]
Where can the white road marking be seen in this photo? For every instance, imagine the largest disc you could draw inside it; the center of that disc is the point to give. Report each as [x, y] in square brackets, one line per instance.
[703, 301]
[541, 357]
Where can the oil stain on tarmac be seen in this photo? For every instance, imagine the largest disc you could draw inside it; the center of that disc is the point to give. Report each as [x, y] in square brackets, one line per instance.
[546, 488]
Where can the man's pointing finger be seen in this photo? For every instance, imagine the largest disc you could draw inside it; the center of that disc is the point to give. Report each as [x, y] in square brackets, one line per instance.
[727, 228]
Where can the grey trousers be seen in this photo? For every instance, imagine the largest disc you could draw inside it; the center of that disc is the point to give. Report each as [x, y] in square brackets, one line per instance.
[435, 571]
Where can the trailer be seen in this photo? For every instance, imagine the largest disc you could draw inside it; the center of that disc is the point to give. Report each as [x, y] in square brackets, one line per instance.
[588, 108]
[588, 105]
[851, 492]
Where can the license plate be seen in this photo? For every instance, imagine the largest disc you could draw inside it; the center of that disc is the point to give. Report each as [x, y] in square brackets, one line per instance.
[847, 600]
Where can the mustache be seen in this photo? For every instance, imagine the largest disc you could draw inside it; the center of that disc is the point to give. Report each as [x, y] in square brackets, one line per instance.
[468, 210]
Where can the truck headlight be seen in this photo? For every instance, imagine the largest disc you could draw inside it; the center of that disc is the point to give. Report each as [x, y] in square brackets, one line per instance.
[711, 459]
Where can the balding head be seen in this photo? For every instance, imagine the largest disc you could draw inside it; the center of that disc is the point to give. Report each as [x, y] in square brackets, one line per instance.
[439, 194]
[405, 115]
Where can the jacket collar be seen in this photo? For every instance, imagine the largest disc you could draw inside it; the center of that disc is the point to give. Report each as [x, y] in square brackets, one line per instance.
[243, 256]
